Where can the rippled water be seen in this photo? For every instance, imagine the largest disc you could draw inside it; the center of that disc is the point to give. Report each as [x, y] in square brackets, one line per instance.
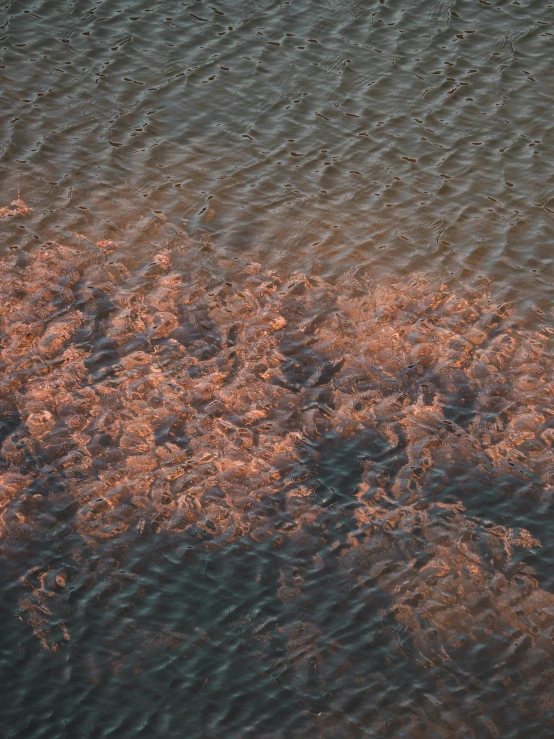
[276, 350]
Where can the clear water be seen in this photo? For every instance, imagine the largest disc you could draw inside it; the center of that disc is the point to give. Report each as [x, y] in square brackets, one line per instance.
[276, 349]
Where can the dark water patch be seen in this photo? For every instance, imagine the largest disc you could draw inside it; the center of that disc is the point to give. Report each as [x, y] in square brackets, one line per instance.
[338, 464]
[103, 360]
[461, 408]
[9, 420]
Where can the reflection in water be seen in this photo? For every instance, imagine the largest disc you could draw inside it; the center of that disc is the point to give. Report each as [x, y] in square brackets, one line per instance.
[380, 446]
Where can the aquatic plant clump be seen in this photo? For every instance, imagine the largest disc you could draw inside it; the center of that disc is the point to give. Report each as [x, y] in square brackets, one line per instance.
[203, 403]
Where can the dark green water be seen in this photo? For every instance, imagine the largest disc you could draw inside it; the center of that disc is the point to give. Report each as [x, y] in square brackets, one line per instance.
[276, 404]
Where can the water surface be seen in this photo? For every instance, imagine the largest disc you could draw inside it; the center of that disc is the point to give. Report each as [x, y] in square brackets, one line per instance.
[276, 407]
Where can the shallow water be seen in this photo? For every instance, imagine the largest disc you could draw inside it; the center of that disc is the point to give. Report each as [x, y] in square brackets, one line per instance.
[276, 406]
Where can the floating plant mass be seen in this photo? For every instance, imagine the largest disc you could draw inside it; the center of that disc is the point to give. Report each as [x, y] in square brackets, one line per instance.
[205, 408]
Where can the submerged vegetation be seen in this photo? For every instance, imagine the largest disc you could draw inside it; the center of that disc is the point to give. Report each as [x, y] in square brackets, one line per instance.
[398, 434]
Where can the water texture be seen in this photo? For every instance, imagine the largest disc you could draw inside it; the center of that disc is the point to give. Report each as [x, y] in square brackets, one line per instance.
[276, 410]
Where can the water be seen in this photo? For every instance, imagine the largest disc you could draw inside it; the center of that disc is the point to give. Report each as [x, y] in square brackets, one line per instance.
[276, 416]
